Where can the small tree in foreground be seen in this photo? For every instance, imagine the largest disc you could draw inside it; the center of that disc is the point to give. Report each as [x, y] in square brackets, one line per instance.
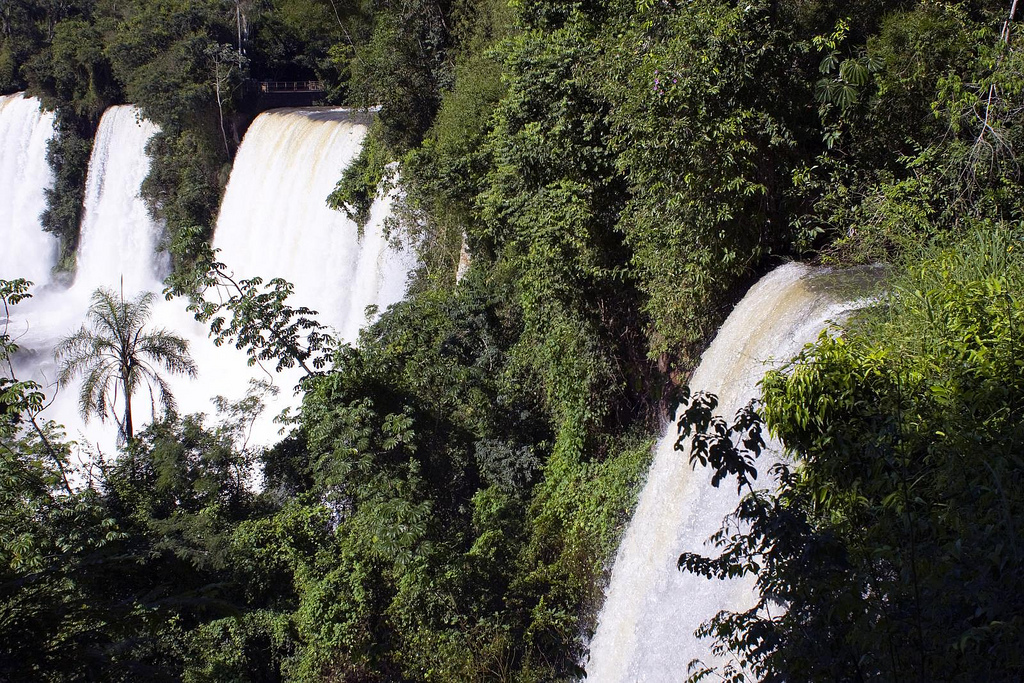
[116, 356]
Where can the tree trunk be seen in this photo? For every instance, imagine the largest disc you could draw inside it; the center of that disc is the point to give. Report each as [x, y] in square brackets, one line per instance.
[128, 431]
[220, 106]
[238, 22]
[1005, 33]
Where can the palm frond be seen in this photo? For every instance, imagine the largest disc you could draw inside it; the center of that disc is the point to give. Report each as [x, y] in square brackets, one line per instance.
[163, 341]
[165, 397]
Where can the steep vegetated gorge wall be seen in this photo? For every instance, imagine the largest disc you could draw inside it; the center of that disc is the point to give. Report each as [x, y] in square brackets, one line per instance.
[476, 481]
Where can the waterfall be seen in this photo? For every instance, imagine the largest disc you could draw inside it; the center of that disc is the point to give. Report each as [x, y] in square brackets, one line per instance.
[645, 629]
[274, 221]
[25, 175]
[118, 240]
[117, 249]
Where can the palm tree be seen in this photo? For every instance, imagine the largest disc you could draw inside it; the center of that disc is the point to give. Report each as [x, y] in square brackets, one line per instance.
[117, 356]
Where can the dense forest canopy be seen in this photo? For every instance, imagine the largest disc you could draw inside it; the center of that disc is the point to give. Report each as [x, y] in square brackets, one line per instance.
[447, 504]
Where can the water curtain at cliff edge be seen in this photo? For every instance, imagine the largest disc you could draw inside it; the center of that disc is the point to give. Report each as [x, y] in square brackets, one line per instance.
[645, 629]
[118, 250]
[25, 175]
[119, 239]
[275, 222]
[118, 242]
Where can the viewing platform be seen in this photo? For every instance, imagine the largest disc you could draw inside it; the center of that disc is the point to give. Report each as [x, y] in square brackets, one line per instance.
[276, 94]
[291, 87]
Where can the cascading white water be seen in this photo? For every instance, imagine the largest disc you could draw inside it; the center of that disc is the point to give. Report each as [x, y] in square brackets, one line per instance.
[646, 627]
[25, 175]
[116, 250]
[273, 223]
[119, 239]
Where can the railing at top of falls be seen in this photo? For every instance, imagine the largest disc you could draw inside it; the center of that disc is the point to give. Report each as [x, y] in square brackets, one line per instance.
[291, 86]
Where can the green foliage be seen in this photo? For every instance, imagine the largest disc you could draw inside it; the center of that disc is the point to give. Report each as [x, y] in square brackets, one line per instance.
[705, 125]
[238, 649]
[19, 40]
[716, 443]
[361, 181]
[148, 582]
[910, 55]
[186, 65]
[548, 210]
[443, 176]
[68, 154]
[180, 468]
[177, 64]
[293, 38]
[925, 151]
[73, 70]
[260, 320]
[450, 498]
[54, 543]
[441, 545]
[577, 517]
[17, 397]
[403, 67]
[72, 75]
[842, 79]
[161, 52]
[183, 189]
[52, 535]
